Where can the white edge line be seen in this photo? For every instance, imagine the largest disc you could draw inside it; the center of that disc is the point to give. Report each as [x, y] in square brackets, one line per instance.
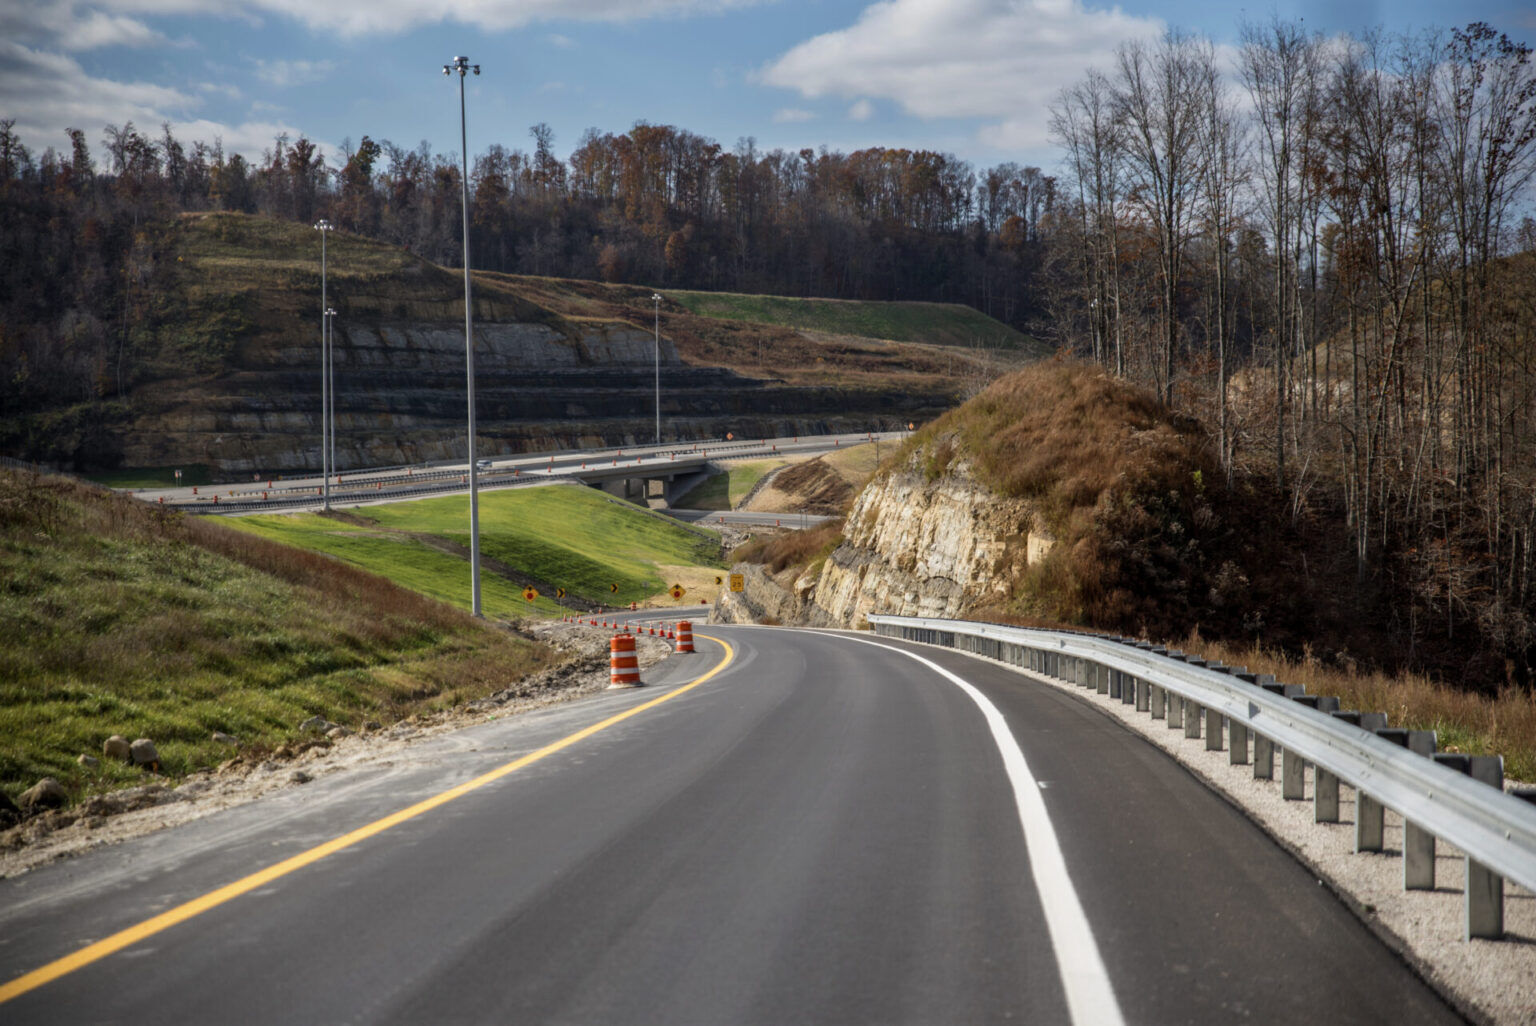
[1090, 995]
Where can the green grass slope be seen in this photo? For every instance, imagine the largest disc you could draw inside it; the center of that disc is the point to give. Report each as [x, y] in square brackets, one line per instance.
[573, 538]
[116, 618]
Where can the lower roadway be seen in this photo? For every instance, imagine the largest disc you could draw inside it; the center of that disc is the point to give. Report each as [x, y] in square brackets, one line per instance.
[824, 830]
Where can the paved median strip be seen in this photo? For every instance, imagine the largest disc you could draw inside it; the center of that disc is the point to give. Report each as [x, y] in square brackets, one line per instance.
[197, 906]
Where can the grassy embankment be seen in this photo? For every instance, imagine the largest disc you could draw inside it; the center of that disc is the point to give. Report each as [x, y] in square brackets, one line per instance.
[726, 489]
[946, 324]
[575, 538]
[117, 618]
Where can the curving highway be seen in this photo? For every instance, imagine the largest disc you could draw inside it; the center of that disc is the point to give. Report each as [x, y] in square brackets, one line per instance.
[787, 826]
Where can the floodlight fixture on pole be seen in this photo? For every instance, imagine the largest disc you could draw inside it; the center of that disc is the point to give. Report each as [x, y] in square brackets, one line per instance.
[656, 298]
[324, 227]
[462, 66]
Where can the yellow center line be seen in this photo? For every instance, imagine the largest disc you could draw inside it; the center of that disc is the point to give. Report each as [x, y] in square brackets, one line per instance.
[181, 913]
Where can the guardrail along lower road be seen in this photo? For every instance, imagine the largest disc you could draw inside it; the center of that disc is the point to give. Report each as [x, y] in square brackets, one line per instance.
[1439, 795]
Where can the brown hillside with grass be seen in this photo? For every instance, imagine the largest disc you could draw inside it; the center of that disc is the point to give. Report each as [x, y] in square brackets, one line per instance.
[117, 618]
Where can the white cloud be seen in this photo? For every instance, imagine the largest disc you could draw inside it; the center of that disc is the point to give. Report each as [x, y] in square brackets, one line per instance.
[47, 93]
[559, 42]
[98, 30]
[1002, 60]
[224, 89]
[792, 115]
[374, 17]
[284, 74]
[249, 138]
[862, 110]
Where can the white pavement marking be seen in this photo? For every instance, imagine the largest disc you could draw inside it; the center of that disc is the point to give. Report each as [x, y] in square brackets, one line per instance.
[1090, 996]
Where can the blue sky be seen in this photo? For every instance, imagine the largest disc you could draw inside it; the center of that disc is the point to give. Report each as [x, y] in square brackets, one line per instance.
[970, 77]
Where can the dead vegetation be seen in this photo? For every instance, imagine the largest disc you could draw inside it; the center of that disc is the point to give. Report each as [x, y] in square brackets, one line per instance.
[778, 552]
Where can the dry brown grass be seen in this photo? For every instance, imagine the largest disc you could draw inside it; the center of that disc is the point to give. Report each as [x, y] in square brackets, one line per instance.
[1504, 724]
[791, 548]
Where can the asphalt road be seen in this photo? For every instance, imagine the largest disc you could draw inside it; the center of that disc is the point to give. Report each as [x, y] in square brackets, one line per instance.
[826, 830]
[367, 486]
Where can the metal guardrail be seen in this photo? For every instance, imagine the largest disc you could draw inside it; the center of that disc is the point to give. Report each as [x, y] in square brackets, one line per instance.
[1445, 796]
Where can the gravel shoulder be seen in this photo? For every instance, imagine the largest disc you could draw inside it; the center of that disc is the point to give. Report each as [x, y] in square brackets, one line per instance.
[249, 775]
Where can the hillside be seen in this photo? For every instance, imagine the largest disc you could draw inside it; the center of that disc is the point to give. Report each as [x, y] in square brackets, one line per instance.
[946, 324]
[218, 365]
[1063, 495]
[118, 619]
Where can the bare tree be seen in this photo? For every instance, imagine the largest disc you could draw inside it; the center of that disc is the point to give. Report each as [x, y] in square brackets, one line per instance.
[1083, 121]
[1279, 65]
[1223, 148]
[1157, 91]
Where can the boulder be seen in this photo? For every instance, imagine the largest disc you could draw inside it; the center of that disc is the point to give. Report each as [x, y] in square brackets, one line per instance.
[225, 739]
[318, 724]
[90, 762]
[47, 793]
[300, 777]
[142, 753]
[116, 747]
[338, 732]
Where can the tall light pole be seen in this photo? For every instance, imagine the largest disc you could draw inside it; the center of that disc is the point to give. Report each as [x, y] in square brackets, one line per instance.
[462, 66]
[330, 394]
[324, 227]
[656, 298]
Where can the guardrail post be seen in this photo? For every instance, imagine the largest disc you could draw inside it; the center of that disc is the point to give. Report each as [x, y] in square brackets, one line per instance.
[1325, 796]
[1212, 730]
[1293, 770]
[1191, 719]
[1485, 888]
[1141, 688]
[1370, 816]
[1157, 701]
[1418, 843]
[1175, 711]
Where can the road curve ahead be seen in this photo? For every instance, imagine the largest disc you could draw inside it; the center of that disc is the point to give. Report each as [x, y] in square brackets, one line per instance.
[824, 830]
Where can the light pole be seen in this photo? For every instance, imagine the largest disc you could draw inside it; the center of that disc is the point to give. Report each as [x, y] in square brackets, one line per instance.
[462, 66]
[330, 395]
[656, 298]
[324, 227]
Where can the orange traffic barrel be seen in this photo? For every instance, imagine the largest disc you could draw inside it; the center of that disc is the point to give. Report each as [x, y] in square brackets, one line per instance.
[684, 636]
[623, 664]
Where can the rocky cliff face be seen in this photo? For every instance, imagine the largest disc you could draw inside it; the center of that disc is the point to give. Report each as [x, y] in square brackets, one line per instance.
[921, 547]
[914, 545]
